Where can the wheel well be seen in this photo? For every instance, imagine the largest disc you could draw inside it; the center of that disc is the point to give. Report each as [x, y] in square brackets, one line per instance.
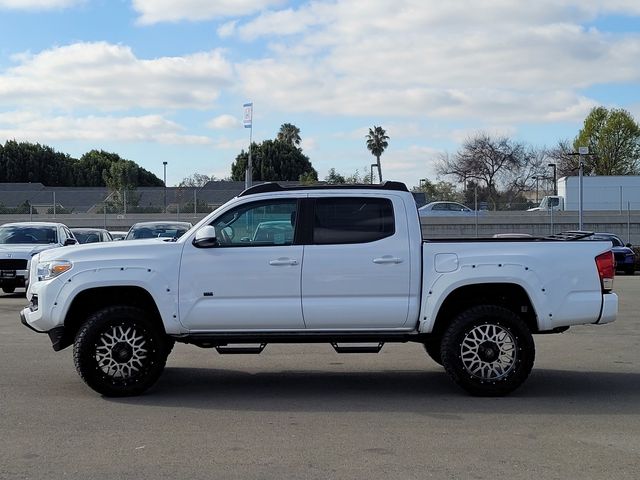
[94, 299]
[507, 295]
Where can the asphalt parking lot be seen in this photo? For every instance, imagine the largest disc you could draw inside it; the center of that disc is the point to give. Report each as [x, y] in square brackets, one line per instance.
[305, 412]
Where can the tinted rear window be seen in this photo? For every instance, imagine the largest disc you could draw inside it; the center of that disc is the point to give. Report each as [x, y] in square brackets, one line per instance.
[352, 220]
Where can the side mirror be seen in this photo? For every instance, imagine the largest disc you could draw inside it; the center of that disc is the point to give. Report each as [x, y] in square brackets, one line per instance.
[70, 241]
[628, 245]
[205, 237]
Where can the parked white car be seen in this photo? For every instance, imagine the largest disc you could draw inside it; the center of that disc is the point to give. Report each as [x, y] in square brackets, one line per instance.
[19, 242]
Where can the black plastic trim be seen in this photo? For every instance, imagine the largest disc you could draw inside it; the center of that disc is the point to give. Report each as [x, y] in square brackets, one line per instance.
[226, 338]
[276, 187]
[58, 339]
[357, 348]
[558, 237]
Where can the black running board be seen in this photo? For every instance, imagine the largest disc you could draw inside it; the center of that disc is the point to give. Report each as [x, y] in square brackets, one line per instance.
[358, 348]
[244, 350]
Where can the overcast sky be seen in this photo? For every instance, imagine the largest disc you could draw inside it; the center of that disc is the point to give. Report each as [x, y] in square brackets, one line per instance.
[165, 80]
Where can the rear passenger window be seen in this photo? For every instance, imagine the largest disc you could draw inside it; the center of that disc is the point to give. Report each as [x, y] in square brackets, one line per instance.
[352, 220]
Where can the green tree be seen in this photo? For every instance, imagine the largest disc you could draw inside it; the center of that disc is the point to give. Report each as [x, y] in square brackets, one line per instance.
[32, 162]
[289, 134]
[334, 178]
[273, 160]
[438, 191]
[613, 138]
[122, 179]
[29, 162]
[377, 144]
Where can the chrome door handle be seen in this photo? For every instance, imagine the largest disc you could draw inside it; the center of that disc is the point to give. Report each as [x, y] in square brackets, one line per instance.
[387, 259]
[283, 261]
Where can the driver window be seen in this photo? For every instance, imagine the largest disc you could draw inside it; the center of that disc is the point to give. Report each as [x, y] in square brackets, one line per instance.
[267, 223]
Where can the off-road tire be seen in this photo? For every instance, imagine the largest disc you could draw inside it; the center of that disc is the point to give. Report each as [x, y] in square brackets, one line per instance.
[488, 350]
[119, 352]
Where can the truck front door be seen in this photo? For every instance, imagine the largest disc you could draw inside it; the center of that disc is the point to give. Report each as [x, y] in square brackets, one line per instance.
[251, 279]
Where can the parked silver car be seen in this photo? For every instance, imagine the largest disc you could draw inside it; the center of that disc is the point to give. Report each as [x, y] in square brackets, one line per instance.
[21, 241]
[445, 209]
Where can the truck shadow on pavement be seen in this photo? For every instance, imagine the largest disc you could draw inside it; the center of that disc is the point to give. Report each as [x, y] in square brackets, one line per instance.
[546, 391]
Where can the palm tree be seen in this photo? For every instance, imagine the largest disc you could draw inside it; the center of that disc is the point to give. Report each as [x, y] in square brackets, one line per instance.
[290, 134]
[377, 143]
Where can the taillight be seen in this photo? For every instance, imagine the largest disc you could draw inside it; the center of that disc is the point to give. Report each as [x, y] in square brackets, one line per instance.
[606, 270]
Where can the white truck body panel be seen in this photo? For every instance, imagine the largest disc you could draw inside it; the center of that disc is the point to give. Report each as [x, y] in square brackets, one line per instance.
[238, 288]
[563, 293]
[149, 264]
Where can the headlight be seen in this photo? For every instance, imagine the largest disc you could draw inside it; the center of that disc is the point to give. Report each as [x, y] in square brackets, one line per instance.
[49, 270]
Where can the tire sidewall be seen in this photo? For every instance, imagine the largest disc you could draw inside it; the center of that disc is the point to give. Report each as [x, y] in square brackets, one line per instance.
[488, 315]
[88, 338]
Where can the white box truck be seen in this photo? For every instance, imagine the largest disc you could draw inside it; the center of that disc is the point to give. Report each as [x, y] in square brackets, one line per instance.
[605, 192]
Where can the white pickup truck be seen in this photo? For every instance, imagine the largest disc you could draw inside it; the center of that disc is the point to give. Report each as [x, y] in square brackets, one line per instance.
[341, 265]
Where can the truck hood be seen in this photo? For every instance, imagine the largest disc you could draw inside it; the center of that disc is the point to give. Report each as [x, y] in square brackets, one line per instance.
[124, 253]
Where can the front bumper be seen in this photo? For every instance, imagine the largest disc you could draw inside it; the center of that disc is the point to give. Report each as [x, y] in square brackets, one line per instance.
[56, 335]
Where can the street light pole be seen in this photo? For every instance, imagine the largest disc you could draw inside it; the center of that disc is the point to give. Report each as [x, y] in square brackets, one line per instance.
[582, 151]
[164, 164]
[555, 177]
[536, 178]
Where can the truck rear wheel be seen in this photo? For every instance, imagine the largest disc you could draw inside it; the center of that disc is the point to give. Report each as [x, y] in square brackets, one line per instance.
[9, 289]
[118, 352]
[488, 350]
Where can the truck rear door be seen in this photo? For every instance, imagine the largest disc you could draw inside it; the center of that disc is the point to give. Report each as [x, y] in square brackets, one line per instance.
[356, 268]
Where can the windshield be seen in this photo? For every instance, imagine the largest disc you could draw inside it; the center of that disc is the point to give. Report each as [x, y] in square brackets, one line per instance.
[157, 231]
[86, 236]
[28, 235]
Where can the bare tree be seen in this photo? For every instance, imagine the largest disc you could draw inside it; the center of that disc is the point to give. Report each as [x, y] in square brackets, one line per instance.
[196, 180]
[567, 164]
[496, 165]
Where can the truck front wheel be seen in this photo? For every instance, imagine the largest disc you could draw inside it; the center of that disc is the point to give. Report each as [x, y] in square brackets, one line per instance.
[488, 350]
[118, 351]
